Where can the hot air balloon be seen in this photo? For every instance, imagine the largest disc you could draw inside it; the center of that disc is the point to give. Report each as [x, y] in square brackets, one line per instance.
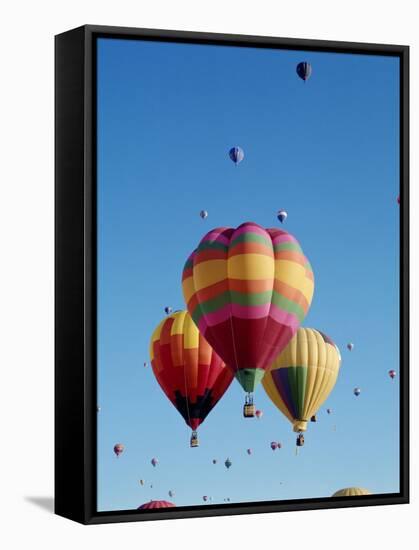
[205, 498]
[302, 376]
[168, 310]
[141, 481]
[351, 492]
[259, 413]
[118, 449]
[203, 214]
[274, 445]
[236, 154]
[156, 504]
[154, 462]
[279, 445]
[145, 364]
[248, 289]
[228, 463]
[304, 70]
[282, 215]
[350, 346]
[171, 493]
[188, 370]
[329, 411]
[313, 418]
[249, 451]
[392, 374]
[357, 391]
[214, 461]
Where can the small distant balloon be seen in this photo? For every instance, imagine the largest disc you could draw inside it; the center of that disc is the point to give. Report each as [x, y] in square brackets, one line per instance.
[282, 215]
[236, 154]
[205, 498]
[118, 449]
[357, 391]
[304, 70]
[203, 214]
[350, 346]
[145, 364]
[249, 451]
[228, 463]
[279, 445]
[168, 310]
[214, 461]
[154, 462]
[259, 413]
[141, 481]
[274, 445]
[171, 493]
[329, 411]
[392, 374]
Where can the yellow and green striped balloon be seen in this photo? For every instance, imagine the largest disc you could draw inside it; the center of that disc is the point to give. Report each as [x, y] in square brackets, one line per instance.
[303, 375]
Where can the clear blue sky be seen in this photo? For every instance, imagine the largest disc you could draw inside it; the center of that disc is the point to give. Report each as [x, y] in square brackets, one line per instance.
[327, 152]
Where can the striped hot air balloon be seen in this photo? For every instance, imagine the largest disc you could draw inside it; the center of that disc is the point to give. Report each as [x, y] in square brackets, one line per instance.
[303, 375]
[304, 70]
[236, 154]
[351, 492]
[248, 289]
[188, 370]
[156, 504]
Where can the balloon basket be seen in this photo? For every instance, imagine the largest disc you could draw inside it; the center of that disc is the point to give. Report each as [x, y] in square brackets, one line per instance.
[249, 410]
[194, 440]
[300, 440]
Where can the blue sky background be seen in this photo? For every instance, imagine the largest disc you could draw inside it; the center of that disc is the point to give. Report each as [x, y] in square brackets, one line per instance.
[327, 151]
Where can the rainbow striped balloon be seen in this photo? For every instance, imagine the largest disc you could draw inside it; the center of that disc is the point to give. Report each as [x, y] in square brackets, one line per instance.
[248, 289]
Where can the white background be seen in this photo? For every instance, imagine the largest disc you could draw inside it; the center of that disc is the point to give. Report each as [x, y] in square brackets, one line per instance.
[26, 272]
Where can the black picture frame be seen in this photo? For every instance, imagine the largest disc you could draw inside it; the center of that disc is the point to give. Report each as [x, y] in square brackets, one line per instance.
[75, 274]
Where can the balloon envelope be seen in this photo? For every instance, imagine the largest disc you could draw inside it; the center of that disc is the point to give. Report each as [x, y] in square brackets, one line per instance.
[304, 70]
[282, 215]
[228, 463]
[259, 413]
[190, 373]
[303, 375]
[251, 286]
[156, 504]
[118, 449]
[351, 492]
[392, 374]
[203, 214]
[236, 154]
[357, 391]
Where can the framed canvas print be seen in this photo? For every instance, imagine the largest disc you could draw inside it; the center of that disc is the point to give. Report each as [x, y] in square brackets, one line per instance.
[231, 274]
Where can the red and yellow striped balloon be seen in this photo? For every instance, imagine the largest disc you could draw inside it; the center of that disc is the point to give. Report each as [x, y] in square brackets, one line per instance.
[248, 289]
[188, 370]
